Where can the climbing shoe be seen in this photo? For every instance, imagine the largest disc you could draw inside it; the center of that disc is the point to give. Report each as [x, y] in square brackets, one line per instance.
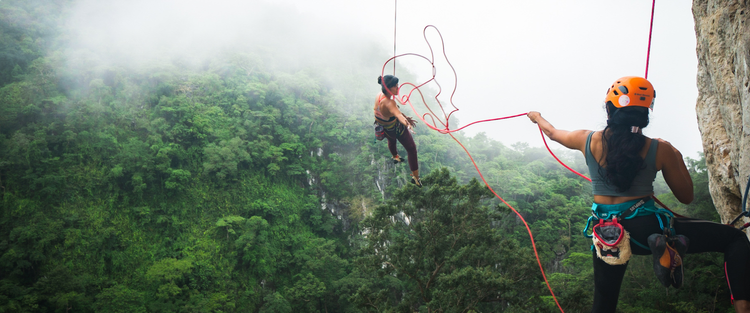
[681, 245]
[398, 159]
[668, 253]
[416, 181]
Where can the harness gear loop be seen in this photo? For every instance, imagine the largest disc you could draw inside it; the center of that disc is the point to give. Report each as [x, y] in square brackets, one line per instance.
[642, 207]
[669, 231]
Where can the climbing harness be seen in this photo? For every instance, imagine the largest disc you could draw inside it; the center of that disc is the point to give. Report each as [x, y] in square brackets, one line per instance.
[667, 248]
[444, 127]
[629, 210]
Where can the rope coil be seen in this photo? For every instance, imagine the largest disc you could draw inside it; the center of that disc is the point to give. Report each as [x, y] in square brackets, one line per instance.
[444, 122]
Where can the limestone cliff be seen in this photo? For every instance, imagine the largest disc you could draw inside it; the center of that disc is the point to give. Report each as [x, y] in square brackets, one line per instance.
[723, 49]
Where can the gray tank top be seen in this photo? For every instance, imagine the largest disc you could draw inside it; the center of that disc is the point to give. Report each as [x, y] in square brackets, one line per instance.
[643, 184]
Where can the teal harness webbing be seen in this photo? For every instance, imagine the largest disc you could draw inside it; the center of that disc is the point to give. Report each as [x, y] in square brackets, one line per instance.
[629, 210]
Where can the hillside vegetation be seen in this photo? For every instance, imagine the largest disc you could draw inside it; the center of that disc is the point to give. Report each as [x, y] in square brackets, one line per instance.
[234, 185]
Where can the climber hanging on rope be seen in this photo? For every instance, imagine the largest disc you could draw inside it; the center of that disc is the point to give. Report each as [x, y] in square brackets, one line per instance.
[394, 125]
[623, 164]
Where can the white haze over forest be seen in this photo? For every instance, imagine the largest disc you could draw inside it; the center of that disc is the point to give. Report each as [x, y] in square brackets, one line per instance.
[556, 57]
[139, 32]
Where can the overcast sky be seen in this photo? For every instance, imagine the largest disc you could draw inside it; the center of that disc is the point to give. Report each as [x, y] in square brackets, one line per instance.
[556, 57]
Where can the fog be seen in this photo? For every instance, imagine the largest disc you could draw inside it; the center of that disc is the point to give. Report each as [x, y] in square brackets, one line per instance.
[556, 57]
[144, 32]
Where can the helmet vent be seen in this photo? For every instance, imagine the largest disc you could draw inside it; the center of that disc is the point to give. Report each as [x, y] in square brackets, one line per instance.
[643, 98]
[643, 88]
[623, 89]
[615, 91]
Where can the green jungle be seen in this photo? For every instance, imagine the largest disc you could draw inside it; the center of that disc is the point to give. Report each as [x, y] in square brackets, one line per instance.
[242, 183]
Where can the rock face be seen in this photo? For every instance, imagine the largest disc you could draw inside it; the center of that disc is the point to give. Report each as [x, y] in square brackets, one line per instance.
[723, 49]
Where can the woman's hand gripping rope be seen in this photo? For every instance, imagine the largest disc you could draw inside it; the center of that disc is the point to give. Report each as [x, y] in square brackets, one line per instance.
[411, 123]
[441, 125]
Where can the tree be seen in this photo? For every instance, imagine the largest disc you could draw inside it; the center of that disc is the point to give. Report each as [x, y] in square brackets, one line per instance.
[440, 243]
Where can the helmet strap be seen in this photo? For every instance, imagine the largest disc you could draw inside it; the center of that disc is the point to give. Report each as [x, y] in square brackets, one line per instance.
[634, 129]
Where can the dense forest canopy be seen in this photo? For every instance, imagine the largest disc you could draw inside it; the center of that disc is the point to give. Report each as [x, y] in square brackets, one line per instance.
[243, 181]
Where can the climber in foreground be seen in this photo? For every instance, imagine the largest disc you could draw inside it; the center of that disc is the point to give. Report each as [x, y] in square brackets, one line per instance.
[394, 125]
[623, 164]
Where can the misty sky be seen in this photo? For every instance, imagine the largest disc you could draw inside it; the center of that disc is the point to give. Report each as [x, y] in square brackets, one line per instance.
[556, 57]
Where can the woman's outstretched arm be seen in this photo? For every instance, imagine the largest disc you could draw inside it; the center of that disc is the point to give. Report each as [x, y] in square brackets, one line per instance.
[570, 139]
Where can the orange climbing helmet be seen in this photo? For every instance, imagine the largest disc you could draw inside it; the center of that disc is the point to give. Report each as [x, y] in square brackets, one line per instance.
[630, 91]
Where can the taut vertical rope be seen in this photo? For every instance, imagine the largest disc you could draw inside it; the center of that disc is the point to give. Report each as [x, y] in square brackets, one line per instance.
[650, 30]
[395, 18]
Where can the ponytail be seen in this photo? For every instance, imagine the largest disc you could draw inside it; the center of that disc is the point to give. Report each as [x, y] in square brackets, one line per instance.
[623, 143]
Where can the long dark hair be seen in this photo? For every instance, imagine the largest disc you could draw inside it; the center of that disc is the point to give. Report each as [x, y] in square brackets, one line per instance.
[386, 82]
[622, 146]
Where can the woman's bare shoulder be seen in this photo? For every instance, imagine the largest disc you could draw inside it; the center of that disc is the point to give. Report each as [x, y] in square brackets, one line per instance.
[665, 146]
[666, 153]
[583, 134]
[390, 104]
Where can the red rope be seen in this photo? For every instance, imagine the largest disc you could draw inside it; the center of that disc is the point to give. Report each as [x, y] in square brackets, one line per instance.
[445, 122]
[650, 30]
[589, 179]
[404, 99]
[558, 160]
[395, 19]
[445, 126]
[528, 229]
[665, 207]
